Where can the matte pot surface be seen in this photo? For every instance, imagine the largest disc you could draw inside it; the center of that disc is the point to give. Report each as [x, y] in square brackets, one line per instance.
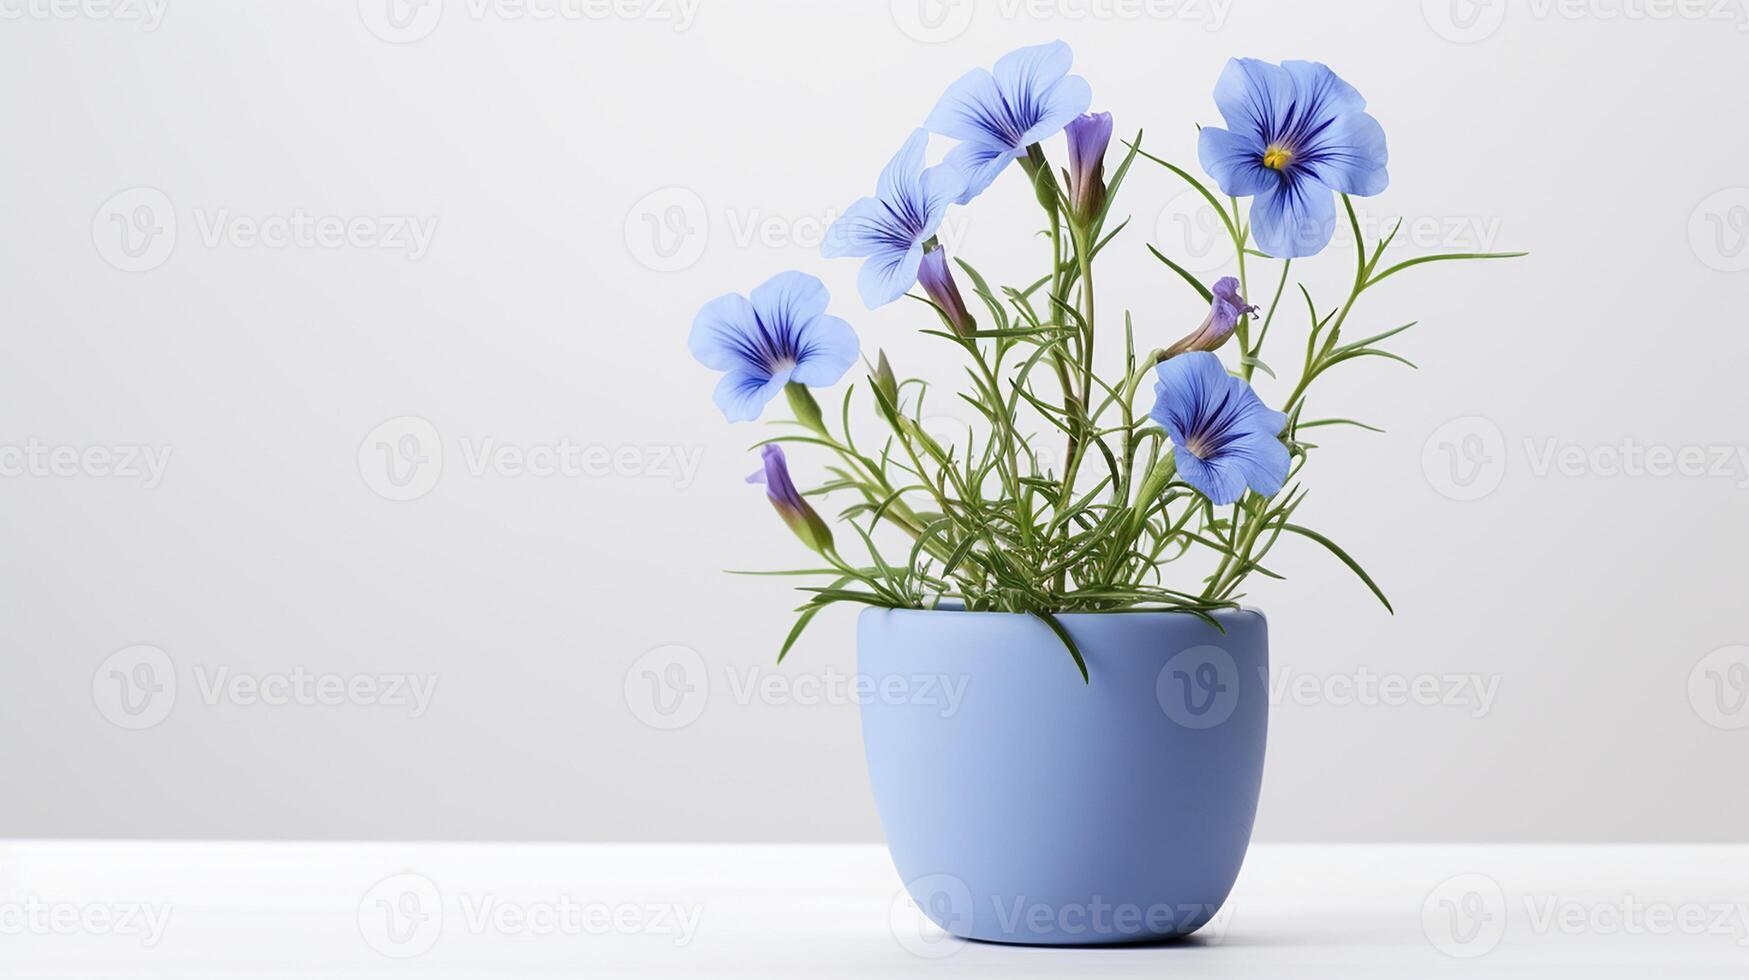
[1023, 806]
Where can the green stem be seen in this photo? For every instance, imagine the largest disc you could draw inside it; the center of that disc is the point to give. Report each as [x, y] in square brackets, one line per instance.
[1269, 318]
[1242, 330]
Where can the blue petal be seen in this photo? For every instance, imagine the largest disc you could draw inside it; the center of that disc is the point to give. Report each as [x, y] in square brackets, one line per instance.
[864, 228]
[1057, 107]
[1294, 218]
[964, 111]
[1219, 481]
[828, 348]
[1349, 155]
[941, 186]
[1025, 100]
[909, 206]
[785, 304]
[1338, 142]
[1254, 97]
[1320, 93]
[898, 181]
[1259, 462]
[1184, 385]
[1262, 419]
[743, 393]
[887, 276]
[1035, 92]
[1256, 451]
[979, 164]
[1024, 72]
[1234, 161]
[725, 334]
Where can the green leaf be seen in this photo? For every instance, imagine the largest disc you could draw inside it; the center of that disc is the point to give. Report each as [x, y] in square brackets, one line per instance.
[894, 498]
[847, 595]
[1375, 338]
[1208, 195]
[1445, 257]
[1350, 353]
[1353, 565]
[1069, 642]
[1319, 422]
[1201, 290]
[1009, 332]
[795, 632]
[982, 288]
[1116, 181]
[1257, 363]
[1379, 251]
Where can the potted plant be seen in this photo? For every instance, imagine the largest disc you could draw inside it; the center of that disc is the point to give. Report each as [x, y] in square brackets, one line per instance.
[1076, 557]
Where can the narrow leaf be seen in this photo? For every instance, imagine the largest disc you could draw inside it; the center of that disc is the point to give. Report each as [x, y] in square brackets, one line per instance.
[1353, 565]
[1203, 291]
[1063, 635]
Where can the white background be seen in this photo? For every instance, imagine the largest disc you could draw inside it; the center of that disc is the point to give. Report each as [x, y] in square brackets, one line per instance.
[587, 180]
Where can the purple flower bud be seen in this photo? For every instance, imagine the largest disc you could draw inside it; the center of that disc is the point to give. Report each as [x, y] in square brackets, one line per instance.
[937, 280]
[1089, 135]
[1224, 313]
[788, 501]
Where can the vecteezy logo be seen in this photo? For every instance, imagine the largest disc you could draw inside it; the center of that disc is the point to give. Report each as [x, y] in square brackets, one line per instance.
[1464, 21]
[135, 230]
[1465, 916]
[933, 21]
[401, 916]
[402, 458]
[1718, 688]
[927, 914]
[400, 21]
[135, 687]
[1199, 687]
[1190, 232]
[1718, 230]
[667, 229]
[667, 687]
[1465, 459]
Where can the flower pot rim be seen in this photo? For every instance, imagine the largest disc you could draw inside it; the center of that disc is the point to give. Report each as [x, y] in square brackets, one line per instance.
[1228, 615]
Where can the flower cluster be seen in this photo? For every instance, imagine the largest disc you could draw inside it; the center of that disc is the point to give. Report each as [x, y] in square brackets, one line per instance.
[998, 522]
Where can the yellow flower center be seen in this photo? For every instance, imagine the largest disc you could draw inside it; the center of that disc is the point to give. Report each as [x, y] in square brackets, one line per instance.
[1277, 157]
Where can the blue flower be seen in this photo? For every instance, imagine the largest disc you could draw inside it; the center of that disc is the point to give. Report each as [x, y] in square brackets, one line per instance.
[1295, 132]
[778, 335]
[1029, 97]
[788, 501]
[1226, 438]
[891, 227]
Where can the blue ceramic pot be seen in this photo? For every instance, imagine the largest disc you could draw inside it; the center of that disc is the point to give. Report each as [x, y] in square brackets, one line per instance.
[1023, 806]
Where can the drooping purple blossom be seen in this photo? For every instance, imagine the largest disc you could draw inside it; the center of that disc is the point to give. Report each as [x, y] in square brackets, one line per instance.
[1225, 309]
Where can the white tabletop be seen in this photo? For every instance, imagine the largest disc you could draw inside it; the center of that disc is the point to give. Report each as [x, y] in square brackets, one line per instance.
[130, 909]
